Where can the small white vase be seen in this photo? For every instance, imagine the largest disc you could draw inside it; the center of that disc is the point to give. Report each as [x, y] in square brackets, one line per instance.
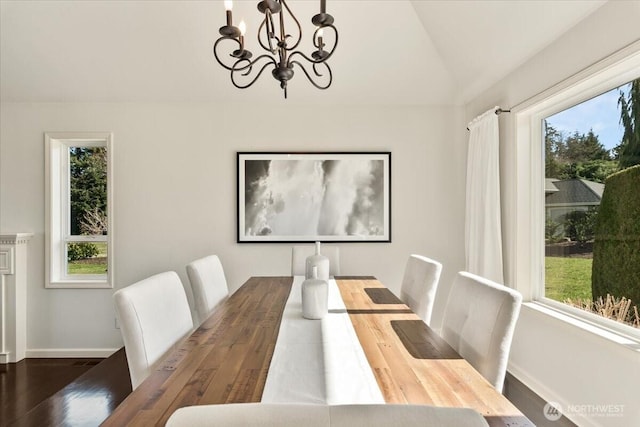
[315, 297]
[317, 260]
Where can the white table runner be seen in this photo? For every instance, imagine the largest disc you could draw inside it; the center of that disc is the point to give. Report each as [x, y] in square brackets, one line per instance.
[319, 361]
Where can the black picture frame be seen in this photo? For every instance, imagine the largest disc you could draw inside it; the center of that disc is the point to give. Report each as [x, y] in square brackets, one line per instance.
[297, 197]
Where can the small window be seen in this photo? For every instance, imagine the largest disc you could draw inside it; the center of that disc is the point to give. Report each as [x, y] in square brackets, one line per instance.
[79, 219]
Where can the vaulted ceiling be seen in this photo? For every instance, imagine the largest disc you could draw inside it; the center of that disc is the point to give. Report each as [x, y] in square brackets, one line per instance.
[394, 52]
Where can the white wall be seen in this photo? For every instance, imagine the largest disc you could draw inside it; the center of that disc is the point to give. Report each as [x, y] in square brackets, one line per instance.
[175, 195]
[558, 361]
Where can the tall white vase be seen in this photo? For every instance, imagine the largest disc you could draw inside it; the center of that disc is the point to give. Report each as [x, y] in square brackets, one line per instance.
[315, 297]
[317, 260]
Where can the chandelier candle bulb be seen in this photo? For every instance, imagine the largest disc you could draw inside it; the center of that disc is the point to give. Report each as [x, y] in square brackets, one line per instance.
[243, 29]
[228, 5]
[228, 30]
[320, 34]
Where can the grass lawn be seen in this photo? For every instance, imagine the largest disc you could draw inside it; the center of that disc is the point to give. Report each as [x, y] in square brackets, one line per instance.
[567, 278]
[100, 267]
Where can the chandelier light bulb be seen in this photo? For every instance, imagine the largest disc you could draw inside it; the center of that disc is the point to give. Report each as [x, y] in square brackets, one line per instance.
[242, 27]
[228, 5]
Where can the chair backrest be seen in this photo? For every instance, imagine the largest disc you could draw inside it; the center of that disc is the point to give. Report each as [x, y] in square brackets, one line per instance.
[300, 253]
[154, 315]
[419, 284]
[478, 322]
[318, 415]
[208, 285]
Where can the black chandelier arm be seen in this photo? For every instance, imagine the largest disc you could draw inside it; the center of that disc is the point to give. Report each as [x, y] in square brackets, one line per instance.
[249, 68]
[317, 40]
[215, 51]
[286, 6]
[269, 31]
[326, 55]
[315, 70]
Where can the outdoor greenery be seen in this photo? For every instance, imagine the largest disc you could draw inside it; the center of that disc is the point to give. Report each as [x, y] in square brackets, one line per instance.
[608, 284]
[568, 281]
[553, 231]
[576, 156]
[581, 155]
[88, 202]
[81, 268]
[629, 148]
[579, 226]
[616, 250]
[567, 278]
[76, 251]
[93, 264]
[88, 179]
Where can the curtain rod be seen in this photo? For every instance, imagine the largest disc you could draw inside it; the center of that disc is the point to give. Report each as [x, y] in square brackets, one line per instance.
[499, 111]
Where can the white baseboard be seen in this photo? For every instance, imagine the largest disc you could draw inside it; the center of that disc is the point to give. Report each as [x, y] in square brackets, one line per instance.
[548, 395]
[79, 353]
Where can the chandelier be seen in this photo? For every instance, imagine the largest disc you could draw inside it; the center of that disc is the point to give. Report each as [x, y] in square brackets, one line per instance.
[279, 45]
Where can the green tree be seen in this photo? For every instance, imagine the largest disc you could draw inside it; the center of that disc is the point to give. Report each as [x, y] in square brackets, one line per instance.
[88, 183]
[596, 170]
[576, 156]
[554, 144]
[580, 148]
[629, 148]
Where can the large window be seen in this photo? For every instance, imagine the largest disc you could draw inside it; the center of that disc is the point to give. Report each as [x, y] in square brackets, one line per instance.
[570, 140]
[79, 220]
[584, 145]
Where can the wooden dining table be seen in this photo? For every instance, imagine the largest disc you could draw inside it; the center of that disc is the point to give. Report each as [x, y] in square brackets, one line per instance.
[227, 359]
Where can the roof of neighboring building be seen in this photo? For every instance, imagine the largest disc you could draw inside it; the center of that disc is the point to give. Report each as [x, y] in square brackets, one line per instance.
[574, 192]
[549, 186]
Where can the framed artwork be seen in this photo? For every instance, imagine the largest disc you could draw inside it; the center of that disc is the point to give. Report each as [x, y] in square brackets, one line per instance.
[308, 197]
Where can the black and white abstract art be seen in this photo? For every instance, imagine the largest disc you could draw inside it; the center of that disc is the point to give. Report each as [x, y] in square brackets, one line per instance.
[307, 197]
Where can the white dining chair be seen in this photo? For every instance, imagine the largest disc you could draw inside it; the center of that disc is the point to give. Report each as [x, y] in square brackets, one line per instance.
[300, 253]
[319, 415]
[208, 285]
[154, 316]
[419, 284]
[478, 322]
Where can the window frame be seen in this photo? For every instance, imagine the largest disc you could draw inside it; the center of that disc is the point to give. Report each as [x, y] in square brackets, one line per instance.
[528, 117]
[57, 205]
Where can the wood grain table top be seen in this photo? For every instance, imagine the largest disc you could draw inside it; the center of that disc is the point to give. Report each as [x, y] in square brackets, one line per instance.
[413, 364]
[226, 360]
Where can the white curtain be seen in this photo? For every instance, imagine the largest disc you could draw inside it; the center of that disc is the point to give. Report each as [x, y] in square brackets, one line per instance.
[483, 235]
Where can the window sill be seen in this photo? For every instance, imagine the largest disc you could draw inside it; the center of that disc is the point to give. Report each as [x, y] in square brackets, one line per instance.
[627, 341]
[80, 284]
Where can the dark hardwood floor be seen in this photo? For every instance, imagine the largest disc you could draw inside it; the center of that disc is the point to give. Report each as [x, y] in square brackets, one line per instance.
[62, 392]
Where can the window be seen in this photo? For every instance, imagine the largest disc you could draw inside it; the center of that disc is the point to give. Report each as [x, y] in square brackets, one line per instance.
[79, 210]
[560, 175]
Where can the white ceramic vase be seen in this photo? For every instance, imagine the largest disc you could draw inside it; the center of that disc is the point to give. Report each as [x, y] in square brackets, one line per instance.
[317, 260]
[315, 297]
